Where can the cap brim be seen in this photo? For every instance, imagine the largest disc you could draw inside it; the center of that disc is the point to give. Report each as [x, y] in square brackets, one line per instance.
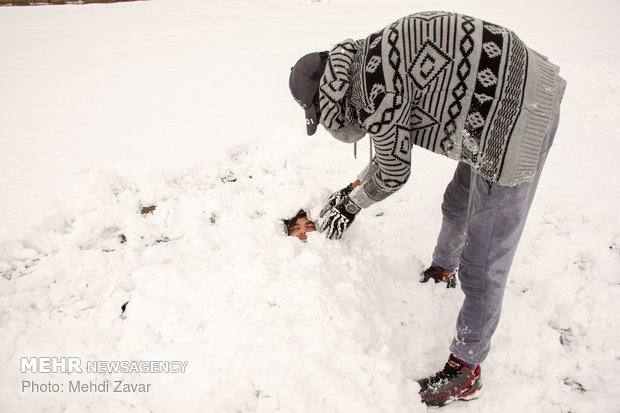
[312, 121]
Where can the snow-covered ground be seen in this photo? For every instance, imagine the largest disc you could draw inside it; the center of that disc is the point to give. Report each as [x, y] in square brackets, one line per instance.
[183, 105]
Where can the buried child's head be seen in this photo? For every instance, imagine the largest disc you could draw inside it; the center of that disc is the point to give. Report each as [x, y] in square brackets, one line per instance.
[299, 225]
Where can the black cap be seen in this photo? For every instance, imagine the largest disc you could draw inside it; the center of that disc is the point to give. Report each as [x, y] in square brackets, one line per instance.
[304, 84]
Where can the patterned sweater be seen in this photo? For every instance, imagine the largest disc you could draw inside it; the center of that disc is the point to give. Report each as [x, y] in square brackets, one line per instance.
[450, 83]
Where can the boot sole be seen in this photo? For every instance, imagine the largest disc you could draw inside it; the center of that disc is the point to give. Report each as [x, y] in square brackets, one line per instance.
[472, 395]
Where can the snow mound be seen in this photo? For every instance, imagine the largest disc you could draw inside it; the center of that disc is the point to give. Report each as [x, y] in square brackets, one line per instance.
[193, 264]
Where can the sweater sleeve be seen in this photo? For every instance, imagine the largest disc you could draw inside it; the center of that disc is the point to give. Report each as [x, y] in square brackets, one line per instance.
[391, 167]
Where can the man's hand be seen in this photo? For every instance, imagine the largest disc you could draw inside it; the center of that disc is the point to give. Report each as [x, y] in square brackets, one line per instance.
[335, 219]
[336, 198]
[439, 275]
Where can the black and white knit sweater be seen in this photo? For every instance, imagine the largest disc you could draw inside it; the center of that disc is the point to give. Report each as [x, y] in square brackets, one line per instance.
[450, 83]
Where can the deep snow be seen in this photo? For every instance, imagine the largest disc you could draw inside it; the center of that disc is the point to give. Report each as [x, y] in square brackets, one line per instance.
[184, 105]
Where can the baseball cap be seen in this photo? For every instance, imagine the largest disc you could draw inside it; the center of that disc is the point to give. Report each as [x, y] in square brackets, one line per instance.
[304, 84]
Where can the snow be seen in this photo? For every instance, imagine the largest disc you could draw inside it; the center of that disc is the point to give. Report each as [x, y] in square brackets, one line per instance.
[184, 106]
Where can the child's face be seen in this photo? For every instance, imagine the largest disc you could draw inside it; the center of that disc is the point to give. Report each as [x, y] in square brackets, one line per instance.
[302, 226]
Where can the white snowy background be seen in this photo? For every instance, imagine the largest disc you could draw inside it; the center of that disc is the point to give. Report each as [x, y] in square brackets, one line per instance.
[184, 105]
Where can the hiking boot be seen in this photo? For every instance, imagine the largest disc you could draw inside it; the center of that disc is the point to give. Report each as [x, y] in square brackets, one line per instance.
[455, 382]
[439, 275]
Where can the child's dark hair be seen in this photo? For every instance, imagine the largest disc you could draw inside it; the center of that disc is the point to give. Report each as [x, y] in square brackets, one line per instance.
[289, 224]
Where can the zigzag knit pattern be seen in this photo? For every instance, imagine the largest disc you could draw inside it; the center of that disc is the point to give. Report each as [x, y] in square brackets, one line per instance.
[449, 83]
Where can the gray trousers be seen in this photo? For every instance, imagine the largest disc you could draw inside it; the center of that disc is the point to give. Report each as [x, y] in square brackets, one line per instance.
[480, 231]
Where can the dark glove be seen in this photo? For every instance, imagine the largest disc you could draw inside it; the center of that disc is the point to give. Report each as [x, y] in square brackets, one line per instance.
[439, 275]
[336, 198]
[336, 219]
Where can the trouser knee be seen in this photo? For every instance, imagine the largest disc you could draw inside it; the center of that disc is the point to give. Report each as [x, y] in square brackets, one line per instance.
[454, 207]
